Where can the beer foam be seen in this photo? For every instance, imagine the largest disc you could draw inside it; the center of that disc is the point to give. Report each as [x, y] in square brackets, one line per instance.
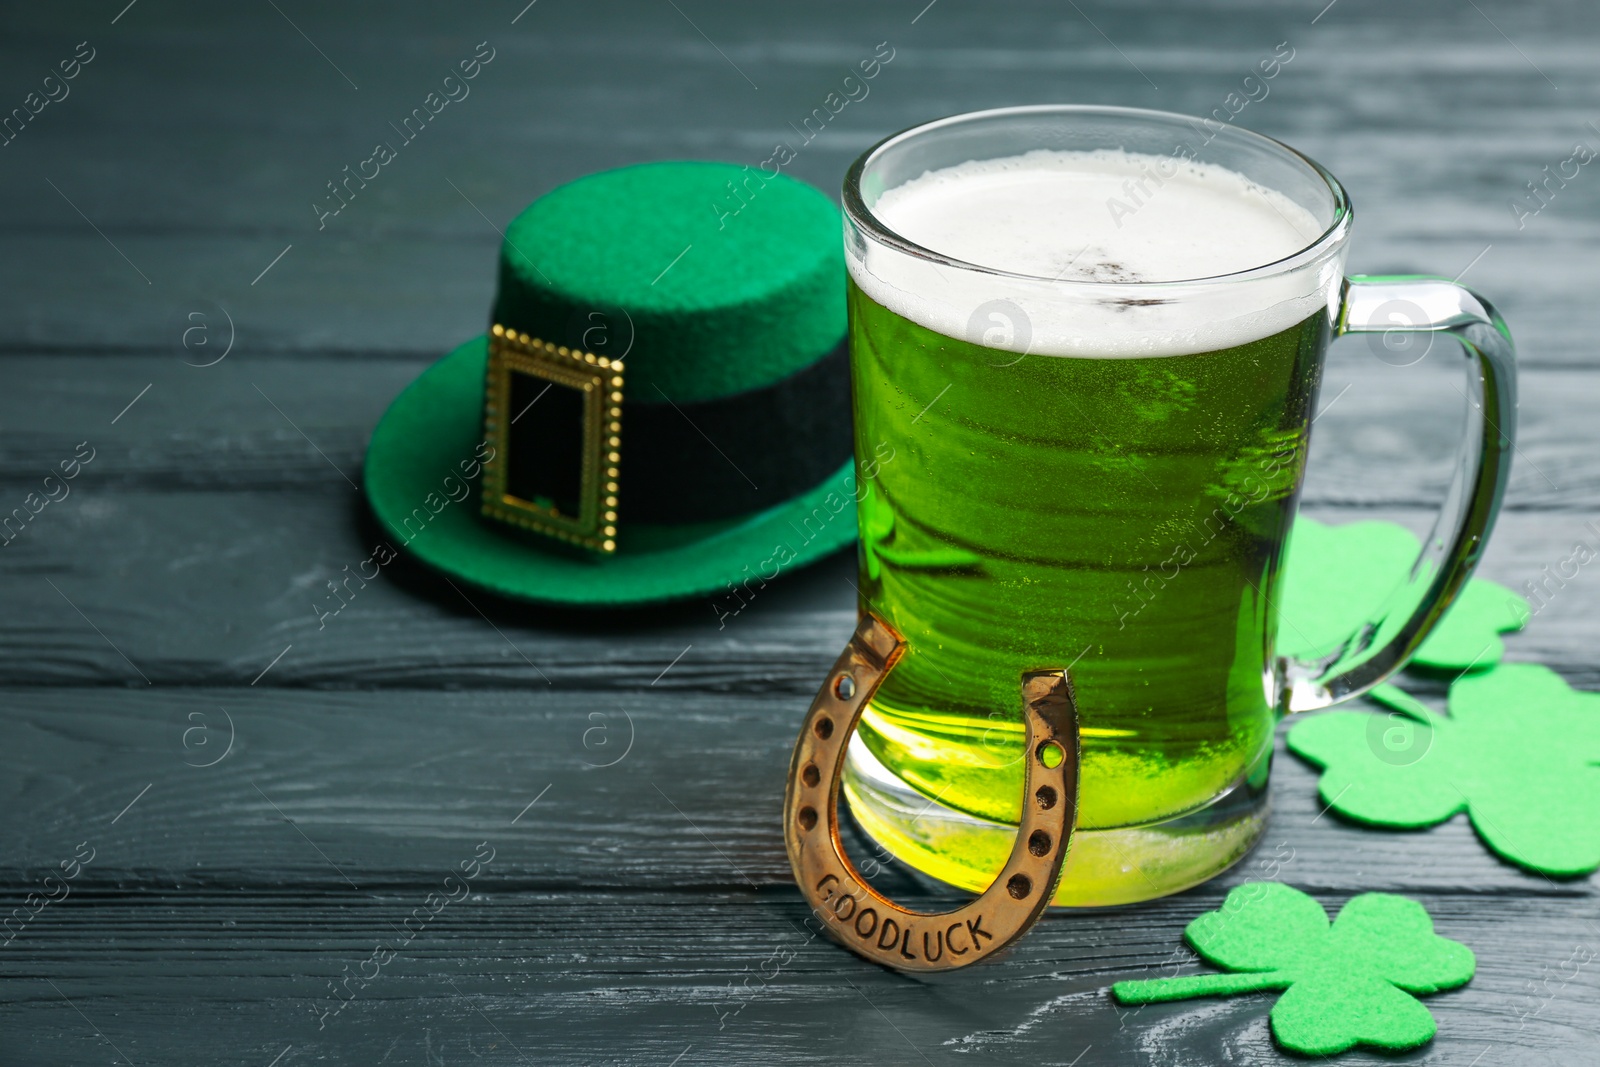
[1105, 216]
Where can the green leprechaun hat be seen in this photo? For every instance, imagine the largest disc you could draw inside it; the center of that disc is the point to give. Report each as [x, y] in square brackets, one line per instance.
[660, 408]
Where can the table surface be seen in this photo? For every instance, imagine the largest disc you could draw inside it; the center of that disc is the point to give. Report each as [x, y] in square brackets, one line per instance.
[267, 798]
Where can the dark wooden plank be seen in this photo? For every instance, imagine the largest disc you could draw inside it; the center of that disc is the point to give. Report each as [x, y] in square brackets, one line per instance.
[724, 977]
[1386, 437]
[1433, 142]
[241, 424]
[383, 788]
[208, 588]
[242, 576]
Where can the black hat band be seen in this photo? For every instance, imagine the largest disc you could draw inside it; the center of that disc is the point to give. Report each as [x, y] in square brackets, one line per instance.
[575, 454]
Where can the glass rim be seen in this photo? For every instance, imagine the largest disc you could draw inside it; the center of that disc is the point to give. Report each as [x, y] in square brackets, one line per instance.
[861, 215]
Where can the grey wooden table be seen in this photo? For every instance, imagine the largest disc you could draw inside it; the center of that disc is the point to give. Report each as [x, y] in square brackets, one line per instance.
[266, 799]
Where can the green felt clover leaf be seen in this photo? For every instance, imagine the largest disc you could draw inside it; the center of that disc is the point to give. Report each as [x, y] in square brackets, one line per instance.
[1336, 576]
[1347, 983]
[1519, 752]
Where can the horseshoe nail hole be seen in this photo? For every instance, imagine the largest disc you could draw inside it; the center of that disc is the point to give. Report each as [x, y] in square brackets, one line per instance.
[1046, 796]
[810, 776]
[1039, 843]
[1051, 754]
[808, 818]
[823, 728]
[845, 687]
[1019, 886]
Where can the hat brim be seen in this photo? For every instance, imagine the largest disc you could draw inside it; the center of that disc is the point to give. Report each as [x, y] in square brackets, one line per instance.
[416, 478]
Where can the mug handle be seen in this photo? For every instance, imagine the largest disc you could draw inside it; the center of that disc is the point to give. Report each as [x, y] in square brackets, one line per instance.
[1383, 644]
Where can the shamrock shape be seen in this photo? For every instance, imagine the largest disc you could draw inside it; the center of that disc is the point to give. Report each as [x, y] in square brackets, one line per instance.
[1519, 752]
[1348, 983]
[1335, 577]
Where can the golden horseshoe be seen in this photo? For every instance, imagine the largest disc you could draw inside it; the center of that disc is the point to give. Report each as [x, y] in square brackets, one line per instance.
[861, 918]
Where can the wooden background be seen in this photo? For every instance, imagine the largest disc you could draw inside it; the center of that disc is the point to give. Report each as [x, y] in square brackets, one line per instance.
[642, 912]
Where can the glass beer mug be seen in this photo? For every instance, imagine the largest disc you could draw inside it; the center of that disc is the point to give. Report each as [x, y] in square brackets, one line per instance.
[1090, 340]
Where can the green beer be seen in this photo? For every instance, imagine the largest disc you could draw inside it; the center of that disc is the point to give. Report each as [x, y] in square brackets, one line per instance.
[1092, 339]
[1125, 515]
[1096, 466]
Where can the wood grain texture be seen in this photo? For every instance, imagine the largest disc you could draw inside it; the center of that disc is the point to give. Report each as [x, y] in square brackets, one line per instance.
[302, 423]
[1428, 114]
[234, 579]
[387, 787]
[726, 976]
[640, 912]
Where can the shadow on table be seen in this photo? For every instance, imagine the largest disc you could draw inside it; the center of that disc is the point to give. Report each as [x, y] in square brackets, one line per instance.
[824, 585]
